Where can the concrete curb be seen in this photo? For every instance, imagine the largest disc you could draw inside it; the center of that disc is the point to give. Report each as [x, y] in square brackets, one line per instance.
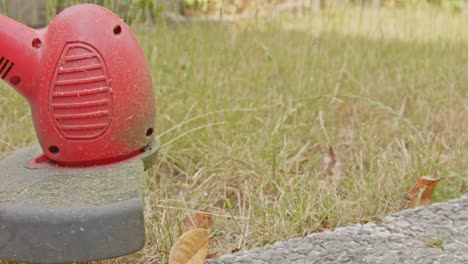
[434, 234]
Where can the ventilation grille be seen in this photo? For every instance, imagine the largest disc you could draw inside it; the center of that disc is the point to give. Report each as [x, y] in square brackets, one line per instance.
[80, 101]
[5, 67]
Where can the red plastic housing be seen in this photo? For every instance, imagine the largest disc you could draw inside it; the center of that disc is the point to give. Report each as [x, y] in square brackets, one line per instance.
[88, 84]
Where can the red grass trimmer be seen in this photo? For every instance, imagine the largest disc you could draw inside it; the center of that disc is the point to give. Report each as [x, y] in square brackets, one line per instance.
[78, 197]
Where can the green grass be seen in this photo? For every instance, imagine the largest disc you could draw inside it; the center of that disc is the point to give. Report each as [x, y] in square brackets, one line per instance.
[246, 116]
[435, 242]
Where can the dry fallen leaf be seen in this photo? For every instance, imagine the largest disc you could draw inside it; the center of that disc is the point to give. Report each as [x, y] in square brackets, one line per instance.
[327, 224]
[331, 165]
[190, 248]
[198, 220]
[421, 193]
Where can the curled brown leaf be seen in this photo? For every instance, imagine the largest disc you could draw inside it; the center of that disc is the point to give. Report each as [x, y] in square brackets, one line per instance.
[421, 193]
[332, 166]
[199, 219]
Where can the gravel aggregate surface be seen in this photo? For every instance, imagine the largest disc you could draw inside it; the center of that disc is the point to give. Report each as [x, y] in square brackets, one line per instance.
[434, 234]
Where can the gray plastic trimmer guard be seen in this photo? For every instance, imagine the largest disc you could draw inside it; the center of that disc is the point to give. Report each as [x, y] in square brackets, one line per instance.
[63, 216]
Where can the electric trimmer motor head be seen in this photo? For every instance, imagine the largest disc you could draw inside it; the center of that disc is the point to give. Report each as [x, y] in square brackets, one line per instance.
[78, 196]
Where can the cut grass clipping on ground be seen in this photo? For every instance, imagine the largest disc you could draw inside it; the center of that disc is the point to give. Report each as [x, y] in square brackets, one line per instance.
[246, 116]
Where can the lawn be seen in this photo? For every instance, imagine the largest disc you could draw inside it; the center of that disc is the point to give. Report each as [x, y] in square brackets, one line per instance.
[247, 113]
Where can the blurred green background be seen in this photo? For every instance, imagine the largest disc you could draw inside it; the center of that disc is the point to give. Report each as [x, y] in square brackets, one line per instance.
[36, 13]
